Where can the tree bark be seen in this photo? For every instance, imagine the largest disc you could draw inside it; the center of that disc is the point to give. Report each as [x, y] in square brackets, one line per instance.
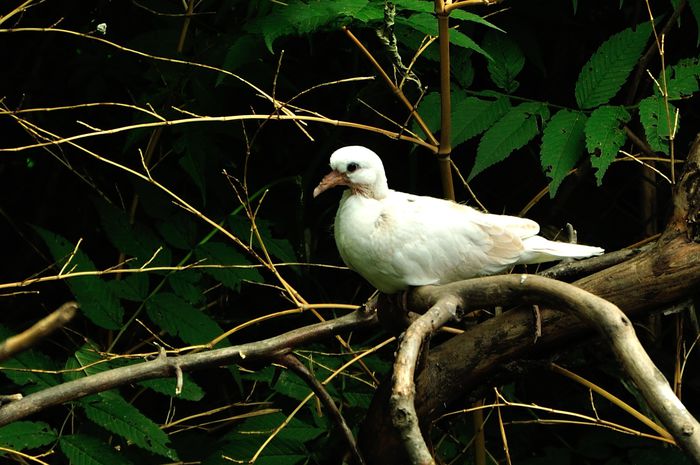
[658, 277]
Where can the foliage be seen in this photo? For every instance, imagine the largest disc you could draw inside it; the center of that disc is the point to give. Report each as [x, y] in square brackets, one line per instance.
[118, 217]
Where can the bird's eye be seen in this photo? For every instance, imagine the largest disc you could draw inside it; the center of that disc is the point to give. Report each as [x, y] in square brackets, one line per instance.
[352, 167]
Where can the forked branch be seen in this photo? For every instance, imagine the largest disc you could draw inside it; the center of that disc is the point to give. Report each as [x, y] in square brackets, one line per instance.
[605, 317]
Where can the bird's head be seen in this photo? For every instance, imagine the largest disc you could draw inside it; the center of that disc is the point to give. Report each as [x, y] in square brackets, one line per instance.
[358, 168]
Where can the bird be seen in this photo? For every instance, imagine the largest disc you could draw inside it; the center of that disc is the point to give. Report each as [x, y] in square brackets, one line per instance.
[396, 240]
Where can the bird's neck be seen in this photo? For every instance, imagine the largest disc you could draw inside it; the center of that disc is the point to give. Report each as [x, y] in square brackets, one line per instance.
[378, 191]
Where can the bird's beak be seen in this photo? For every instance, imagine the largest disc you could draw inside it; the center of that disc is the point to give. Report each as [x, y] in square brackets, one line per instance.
[332, 179]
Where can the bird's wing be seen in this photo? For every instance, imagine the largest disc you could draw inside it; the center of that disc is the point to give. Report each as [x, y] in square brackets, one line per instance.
[432, 241]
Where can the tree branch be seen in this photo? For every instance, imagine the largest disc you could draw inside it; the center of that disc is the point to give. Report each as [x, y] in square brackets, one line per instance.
[604, 316]
[403, 409]
[20, 342]
[163, 366]
[657, 277]
[293, 363]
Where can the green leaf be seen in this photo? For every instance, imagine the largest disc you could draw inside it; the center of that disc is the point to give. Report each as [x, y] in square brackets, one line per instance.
[603, 75]
[298, 17]
[470, 115]
[507, 60]
[180, 231]
[654, 117]
[22, 435]
[515, 129]
[428, 7]
[467, 16]
[279, 248]
[181, 319]
[287, 448]
[132, 286]
[291, 385]
[198, 157]
[32, 366]
[244, 50]
[135, 241]
[427, 24]
[605, 136]
[562, 146]
[97, 301]
[85, 361]
[186, 284]
[235, 267]
[682, 79]
[166, 386]
[695, 9]
[113, 413]
[82, 449]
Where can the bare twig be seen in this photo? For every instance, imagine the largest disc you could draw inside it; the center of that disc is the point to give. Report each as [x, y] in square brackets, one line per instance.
[20, 342]
[293, 363]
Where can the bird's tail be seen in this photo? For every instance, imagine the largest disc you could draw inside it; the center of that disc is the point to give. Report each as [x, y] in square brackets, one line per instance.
[539, 250]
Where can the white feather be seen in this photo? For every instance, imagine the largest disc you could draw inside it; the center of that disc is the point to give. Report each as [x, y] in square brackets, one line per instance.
[396, 240]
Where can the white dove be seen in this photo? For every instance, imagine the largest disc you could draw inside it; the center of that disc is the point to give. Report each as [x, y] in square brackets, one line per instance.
[396, 240]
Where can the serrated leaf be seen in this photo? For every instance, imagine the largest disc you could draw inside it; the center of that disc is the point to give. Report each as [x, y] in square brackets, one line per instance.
[186, 284]
[242, 51]
[198, 155]
[608, 68]
[167, 386]
[427, 24]
[32, 368]
[135, 241]
[96, 299]
[178, 318]
[682, 79]
[470, 115]
[132, 286]
[22, 435]
[292, 386]
[605, 136]
[515, 129]
[507, 60]
[113, 413]
[654, 118]
[235, 267]
[298, 17]
[179, 231]
[471, 17]
[279, 248]
[562, 146]
[84, 362]
[287, 448]
[82, 449]
[695, 9]
[296, 429]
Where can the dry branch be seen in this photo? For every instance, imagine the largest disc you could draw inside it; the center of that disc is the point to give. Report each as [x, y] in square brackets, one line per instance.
[26, 339]
[164, 366]
[293, 363]
[610, 322]
[657, 277]
[403, 410]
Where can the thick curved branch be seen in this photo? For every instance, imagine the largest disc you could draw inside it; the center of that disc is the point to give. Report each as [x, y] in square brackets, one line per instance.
[163, 366]
[403, 410]
[655, 278]
[604, 316]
